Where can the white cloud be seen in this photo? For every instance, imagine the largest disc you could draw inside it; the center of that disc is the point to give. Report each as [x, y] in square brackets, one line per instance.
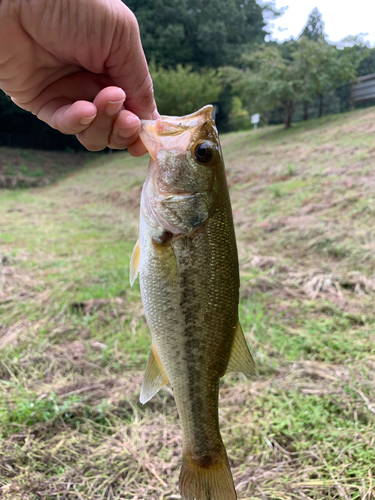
[341, 18]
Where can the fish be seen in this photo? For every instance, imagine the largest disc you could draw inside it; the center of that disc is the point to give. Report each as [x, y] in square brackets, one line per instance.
[186, 258]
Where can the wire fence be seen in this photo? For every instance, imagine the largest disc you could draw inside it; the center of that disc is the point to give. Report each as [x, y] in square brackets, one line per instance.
[342, 99]
[328, 103]
[51, 140]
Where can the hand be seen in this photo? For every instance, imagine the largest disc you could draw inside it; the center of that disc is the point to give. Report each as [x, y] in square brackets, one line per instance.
[79, 66]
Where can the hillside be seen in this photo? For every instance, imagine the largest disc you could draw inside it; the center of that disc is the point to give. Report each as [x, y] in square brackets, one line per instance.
[34, 168]
[74, 340]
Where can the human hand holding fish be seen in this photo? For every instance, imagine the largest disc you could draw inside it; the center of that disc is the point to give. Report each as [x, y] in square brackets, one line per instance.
[79, 66]
[186, 257]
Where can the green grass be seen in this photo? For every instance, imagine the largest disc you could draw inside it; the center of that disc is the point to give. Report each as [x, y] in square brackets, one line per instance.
[74, 342]
[29, 409]
[34, 168]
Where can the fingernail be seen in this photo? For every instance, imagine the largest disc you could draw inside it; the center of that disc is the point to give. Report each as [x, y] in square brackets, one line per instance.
[113, 107]
[85, 120]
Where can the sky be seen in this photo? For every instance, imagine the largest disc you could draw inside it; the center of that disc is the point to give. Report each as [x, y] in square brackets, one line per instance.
[341, 18]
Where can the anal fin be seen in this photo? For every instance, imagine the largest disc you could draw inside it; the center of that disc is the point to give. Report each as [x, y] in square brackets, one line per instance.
[134, 262]
[154, 378]
[240, 358]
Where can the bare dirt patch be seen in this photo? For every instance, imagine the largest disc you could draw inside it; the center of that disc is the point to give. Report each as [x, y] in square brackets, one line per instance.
[129, 199]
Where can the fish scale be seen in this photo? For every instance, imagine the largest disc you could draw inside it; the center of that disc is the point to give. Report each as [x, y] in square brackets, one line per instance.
[197, 303]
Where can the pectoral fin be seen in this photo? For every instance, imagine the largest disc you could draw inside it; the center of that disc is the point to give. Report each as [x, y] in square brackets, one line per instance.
[134, 262]
[240, 358]
[154, 378]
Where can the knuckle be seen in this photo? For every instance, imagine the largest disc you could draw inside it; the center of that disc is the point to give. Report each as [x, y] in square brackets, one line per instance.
[118, 142]
[132, 23]
[95, 138]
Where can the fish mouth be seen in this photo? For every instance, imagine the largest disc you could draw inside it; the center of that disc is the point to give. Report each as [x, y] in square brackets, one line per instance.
[162, 133]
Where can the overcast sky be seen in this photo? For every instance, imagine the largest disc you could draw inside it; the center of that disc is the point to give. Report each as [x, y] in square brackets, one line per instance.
[341, 18]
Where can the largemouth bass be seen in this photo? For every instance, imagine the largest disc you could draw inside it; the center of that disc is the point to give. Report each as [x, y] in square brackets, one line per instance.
[186, 256]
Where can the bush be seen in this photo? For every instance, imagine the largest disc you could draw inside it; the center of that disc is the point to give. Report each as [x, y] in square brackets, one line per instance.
[239, 118]
[182, 91]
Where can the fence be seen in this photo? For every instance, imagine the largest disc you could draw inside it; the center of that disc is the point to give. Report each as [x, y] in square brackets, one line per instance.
[353, 95]
[360, 93]
[328, 103]
[49, 141]
[21, 129]
[364, 90]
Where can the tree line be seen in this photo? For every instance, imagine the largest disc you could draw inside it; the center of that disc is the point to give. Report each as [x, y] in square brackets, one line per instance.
[222, 41]
[214, 51]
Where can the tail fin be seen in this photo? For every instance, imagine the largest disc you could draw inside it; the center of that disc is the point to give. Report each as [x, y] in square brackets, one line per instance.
[206, 483]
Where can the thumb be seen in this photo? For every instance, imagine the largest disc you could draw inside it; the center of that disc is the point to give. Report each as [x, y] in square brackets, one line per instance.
[128, 68]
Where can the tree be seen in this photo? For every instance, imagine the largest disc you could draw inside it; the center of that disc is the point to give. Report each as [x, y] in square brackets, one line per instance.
[361, 52]
[313, 30]
[367, 63]
[203, 33]
[182, 91]
[314, 27]
[272, 80]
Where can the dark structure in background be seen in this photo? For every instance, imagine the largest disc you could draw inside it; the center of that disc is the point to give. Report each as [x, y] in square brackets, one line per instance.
[208, 34]
[347, 97]
[363, 91]
[21, 129]
[336, 101]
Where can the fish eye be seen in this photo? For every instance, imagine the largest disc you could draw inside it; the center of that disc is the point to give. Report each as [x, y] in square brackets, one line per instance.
[203, 152]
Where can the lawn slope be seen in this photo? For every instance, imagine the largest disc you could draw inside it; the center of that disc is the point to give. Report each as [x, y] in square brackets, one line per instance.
[74, 341]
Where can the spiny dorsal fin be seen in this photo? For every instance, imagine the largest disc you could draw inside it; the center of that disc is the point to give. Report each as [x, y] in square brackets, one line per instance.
[154, 378]
[134, 262]
[240, 358]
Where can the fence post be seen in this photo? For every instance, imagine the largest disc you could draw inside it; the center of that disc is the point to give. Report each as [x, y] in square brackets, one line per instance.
[320, 105]
[351, 99]
[306, 111]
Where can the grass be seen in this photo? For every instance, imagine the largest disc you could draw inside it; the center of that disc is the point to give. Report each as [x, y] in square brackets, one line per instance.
[20, 168]
[74, 342]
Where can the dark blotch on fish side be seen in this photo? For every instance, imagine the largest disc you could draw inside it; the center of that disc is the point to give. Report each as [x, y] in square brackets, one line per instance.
[190, 311]
[205, 460]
